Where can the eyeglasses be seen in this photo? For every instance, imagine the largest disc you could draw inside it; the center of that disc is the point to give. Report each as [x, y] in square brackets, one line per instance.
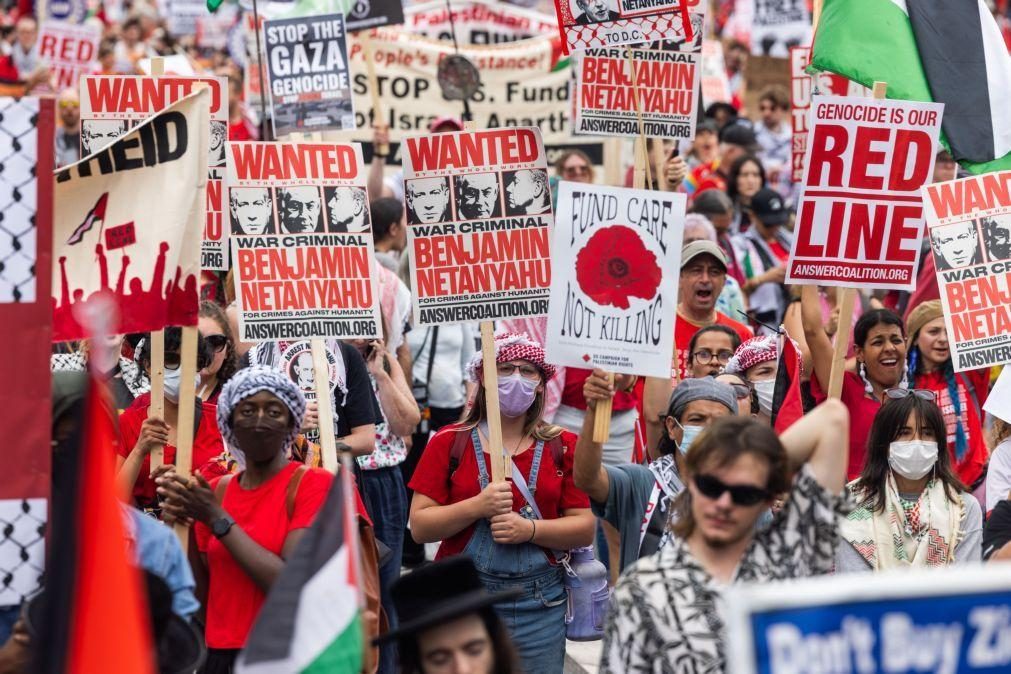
[740, 494]
[69, 104]
[526, 371]
[217, 342]
[705, 356]
[921, 393]
[576, 170]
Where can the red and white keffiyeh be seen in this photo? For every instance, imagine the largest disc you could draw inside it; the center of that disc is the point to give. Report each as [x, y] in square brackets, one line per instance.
[511, 346]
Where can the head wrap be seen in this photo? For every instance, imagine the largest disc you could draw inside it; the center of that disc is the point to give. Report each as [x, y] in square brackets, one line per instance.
[511, 346]
[920, 316]
[703, 388]
[248, 382]
[757, 350]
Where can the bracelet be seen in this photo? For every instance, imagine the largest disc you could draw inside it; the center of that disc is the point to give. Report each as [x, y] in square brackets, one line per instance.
[635, 380]
[534, 532]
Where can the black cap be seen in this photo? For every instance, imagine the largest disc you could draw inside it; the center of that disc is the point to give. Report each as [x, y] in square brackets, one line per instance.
[739, 134]
[769, 207]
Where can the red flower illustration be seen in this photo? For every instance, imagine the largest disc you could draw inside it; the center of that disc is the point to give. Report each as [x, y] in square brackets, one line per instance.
[614, 266]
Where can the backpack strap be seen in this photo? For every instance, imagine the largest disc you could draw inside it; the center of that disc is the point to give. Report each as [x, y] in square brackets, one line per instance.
[221, 486]
[292, 492]
[557, 450]
[457, 450]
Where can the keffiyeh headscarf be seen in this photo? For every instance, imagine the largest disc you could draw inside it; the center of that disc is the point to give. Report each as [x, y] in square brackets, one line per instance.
[248, 382]
[754, 351]
[511, 346]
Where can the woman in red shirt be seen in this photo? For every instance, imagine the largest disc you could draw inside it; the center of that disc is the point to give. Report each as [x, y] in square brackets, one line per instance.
[960, 395]
[511, 540]
[248, 524]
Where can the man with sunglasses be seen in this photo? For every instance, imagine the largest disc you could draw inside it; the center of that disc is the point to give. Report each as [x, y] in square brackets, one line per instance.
[636, 500]
[668, 607]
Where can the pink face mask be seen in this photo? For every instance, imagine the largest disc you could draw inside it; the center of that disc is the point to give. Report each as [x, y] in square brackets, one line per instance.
[516, 394]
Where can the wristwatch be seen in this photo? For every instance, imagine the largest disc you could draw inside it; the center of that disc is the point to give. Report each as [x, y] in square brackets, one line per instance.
[222, 526]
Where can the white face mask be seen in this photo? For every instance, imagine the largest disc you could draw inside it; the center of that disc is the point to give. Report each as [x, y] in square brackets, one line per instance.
[765, 390]
[172, 381]
[913, 459]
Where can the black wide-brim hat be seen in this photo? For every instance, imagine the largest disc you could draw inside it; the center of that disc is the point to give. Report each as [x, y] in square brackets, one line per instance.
[437, 593]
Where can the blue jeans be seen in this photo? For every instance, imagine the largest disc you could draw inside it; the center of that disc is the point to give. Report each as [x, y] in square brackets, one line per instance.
[385, 498]
[535, 619]
[8, 616]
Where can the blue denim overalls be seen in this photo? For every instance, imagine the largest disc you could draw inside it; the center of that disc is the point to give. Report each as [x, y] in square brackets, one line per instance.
[536, 619]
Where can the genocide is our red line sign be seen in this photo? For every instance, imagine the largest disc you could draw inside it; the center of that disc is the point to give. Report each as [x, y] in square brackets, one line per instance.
[478, 215]
[860, 214]
[69, 50]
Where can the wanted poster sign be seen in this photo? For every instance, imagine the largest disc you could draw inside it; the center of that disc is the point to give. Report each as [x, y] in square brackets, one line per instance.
[589, 24]
[69, 50]
[478, 217]
[779, 25]
[969, 226]
[307, 74]
[860, 215]
[111, 105]
[609, 90]
[615, 256]
[301, 241]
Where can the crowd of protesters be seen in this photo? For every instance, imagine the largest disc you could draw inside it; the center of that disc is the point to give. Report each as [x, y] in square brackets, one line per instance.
[695, 489]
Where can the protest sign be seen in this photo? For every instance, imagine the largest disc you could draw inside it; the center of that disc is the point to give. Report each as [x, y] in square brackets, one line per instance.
[71, 11]
[301, 241]
[182, 16]
[367, 14]
[900, 622]
[26, 189]
[715, 85]
[69, 50]
[307, 74]
[589, 24]
[110, 105]
[614, 255]
[969, 226]
[478, 22]
[128, 221]
[212, 30]
[610, 93]
[478, 215]
[860, 215]
[778, 25]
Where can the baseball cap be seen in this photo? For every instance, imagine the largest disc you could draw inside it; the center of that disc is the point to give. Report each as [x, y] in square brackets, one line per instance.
[739, 134]
[702, 247]
[769, 207]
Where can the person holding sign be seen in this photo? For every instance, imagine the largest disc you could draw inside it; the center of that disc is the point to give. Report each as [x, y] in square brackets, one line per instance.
[512, 532]
[913, 510]
[763, 251]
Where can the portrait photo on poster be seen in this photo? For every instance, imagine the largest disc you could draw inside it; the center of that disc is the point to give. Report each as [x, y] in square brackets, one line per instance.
[299, 210]
[251, 210]
[956, 245]
[97, 133]
[527, 192]
[347, 210]
[997, 236]
[594, 11]
[427, 200]
[478, 196]
[216, 145]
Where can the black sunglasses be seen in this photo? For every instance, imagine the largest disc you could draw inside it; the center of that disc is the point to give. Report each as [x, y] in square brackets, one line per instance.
[217, 342]
[742, 495]
[742, 391]
[921, 393]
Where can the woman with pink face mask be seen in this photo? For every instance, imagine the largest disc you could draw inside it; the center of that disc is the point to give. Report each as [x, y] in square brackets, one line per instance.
[511, 538]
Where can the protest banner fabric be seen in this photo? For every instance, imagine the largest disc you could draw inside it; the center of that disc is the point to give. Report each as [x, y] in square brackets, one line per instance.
[615, 255]
[478, 22]
[588, 24]
[112, 104]
[69, 50]
[778, 25]
[715, 85]
[26, 191]
[930, 620]
[860, 214]
[301, 241]
[969, 226]
[478, 217]
[128, 223]
[663, 88]
[307, 74]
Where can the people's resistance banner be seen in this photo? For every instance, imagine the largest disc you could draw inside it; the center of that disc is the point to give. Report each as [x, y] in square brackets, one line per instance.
[478, 217]
[128, 223]
[907, 621]
[589, 24]
[70, 51]
[307, 74]
[110, 105]
[969, 225]
[615, 86]
[860, 215]
[615, 255]
[477, 22]
[301, 241]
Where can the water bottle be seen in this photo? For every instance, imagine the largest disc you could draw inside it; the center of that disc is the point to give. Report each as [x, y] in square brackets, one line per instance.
[588, 596]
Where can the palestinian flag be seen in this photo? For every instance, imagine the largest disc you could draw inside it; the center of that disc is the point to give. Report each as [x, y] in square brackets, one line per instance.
[945, 51]
[311, 621]
[787, 403]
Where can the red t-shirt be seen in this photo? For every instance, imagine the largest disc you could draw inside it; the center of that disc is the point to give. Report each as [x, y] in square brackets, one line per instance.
[554, 493]
[207, 446]
[862, 409]
[684, 330]
[233, 599]
[970, 468]
[572, 392]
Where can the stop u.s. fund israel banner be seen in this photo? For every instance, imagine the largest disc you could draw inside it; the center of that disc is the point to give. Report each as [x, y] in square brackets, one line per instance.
[478, 217]
[301, 241]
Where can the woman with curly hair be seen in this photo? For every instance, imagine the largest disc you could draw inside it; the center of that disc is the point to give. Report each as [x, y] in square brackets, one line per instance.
[214, 328]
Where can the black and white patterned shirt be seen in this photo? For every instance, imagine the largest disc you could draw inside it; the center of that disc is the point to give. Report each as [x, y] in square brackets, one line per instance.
[666, 614]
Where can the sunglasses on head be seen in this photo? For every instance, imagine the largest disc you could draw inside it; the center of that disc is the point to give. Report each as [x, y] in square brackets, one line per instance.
[900, 393]
[217, 342]
[740, 494]
[742, 391]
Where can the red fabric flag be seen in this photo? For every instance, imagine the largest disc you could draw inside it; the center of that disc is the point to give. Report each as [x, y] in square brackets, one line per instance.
[787, 403]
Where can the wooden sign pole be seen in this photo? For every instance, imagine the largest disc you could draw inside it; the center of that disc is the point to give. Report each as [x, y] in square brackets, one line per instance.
[845, 299]
[378, 114]
[184, 429]
[157, 346]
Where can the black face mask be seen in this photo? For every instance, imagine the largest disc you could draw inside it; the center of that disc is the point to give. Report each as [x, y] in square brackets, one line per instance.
[260, 439]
